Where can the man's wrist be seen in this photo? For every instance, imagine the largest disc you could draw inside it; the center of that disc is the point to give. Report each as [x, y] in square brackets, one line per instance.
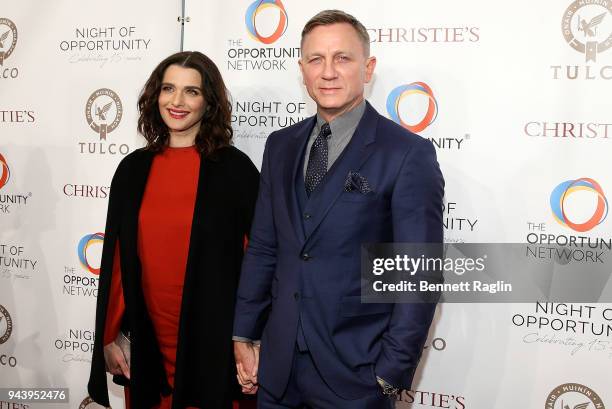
[246, 340]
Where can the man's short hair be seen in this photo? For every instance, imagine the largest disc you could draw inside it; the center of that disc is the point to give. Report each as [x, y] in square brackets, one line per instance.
[329, 17]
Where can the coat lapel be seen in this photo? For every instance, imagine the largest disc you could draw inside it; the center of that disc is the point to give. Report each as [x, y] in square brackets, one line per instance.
[357, 152]
[293, 159]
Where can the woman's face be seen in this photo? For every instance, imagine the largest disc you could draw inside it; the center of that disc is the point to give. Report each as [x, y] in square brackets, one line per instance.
[181, 102]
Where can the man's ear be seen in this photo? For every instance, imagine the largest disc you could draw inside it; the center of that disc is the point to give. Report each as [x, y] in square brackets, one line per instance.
[370, 65]
[301, 70]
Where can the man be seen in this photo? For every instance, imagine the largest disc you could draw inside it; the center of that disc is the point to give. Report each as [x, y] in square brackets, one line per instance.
[344, 177]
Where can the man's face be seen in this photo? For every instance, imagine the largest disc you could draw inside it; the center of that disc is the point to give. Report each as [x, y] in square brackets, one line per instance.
[335, 68]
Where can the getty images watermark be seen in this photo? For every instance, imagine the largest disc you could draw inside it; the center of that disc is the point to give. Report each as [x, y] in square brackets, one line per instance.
[477, 272]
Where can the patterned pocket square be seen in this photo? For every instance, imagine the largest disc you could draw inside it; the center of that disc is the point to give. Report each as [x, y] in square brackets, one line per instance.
[355, 182]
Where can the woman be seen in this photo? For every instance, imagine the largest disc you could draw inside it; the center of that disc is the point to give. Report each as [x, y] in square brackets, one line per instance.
[179, 212]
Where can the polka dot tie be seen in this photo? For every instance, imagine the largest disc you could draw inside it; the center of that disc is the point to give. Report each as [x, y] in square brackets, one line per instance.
[317, 161]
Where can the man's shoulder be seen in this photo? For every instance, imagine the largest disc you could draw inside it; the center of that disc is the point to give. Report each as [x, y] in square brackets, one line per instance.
[394, 136]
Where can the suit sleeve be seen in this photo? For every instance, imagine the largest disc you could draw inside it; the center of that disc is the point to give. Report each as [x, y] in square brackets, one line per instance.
[259, 262]
[417, 218]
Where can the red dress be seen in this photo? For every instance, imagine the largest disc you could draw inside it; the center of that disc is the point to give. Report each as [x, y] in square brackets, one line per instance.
[164, 228]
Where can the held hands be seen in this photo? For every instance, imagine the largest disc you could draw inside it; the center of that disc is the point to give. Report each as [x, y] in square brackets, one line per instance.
[247, 363]
[115, 361]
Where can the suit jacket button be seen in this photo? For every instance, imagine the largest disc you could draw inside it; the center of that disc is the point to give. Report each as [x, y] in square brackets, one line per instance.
[307, 216]
[296, 296]
[306, 257]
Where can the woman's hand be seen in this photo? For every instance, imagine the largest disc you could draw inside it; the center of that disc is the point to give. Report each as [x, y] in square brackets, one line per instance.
[115, 361]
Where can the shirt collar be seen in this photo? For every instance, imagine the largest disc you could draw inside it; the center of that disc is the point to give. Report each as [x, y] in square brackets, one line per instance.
[344, 122]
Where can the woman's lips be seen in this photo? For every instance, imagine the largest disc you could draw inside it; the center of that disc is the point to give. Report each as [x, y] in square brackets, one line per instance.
[177, 113]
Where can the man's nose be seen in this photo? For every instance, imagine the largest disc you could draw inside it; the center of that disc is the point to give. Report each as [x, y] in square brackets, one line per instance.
[329, 70]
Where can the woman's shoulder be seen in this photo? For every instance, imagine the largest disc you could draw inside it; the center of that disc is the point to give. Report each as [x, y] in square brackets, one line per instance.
[130, 163]
[234, 156]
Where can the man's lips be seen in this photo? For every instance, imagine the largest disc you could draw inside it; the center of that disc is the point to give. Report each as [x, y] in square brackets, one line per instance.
[177, 113]
[329, 90]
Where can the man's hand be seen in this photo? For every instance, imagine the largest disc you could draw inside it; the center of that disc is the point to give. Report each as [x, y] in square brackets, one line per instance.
[247, 364]
[115, 361]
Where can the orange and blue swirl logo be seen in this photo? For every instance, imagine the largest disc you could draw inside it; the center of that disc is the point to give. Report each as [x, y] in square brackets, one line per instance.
[86, 242]
[404, 91]
[251, 17]
[560, 194]
[5, 173]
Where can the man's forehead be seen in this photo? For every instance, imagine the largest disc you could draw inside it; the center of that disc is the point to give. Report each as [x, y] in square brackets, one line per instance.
[331, 34]
[334, 38]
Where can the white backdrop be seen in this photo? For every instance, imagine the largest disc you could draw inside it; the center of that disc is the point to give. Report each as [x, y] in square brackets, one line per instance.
[516, 111]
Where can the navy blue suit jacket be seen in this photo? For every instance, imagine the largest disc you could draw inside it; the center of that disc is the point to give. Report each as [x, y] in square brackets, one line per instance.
[307, 266]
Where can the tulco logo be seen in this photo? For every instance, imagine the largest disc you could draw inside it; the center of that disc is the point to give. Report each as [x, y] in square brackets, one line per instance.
[103, 111]
[6, 325]
[8, 41]
[587, 27]
[575, 396]
[5, 173]
[8, 38]
[560, 194]
[84, 244]
[251, 20]
[404, 91]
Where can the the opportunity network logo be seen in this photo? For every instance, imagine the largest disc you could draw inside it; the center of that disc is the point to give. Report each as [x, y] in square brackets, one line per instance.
[5, 173]
[251, 20]
[406, 91]
[84, 244]
[560, 194]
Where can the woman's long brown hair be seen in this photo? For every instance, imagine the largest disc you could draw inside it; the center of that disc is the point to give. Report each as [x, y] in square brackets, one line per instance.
[215, 130]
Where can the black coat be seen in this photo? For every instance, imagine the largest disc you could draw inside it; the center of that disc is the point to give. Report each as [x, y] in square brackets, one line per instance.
[205, 370]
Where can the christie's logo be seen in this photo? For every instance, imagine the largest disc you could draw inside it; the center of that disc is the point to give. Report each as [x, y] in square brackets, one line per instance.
[424, 34]
[84, 244]
[6, 325]
[573, 396]
[86, 191]
[251, 20]
[5, 173]
[560, 194]
[587, 27]
[404, 91]
[568, 130]
[432, 399]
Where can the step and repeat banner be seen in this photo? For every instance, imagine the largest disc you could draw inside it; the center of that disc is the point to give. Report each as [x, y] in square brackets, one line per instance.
[515, 98]
[70, 75]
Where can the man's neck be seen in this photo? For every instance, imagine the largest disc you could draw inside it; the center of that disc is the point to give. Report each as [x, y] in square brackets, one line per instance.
[331, 114]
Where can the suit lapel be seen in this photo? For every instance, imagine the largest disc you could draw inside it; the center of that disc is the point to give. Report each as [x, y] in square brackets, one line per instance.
[357, 152]
[293, 159]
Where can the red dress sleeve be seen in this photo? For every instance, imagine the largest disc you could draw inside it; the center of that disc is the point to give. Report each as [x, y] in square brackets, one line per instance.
[116, 303]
